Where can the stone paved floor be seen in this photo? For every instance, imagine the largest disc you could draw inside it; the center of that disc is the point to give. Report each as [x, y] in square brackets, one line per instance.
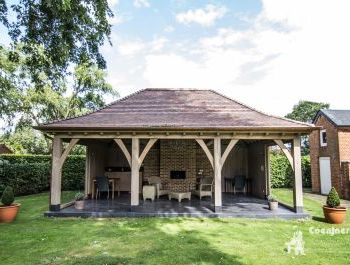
[233, 206]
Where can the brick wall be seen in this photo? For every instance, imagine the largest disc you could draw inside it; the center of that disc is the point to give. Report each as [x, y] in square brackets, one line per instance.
[344, 144]
[344, 156]
[167, 155]
[178, 155]
[151, 163]
[331, 150]
[345, 173]
[202, 162]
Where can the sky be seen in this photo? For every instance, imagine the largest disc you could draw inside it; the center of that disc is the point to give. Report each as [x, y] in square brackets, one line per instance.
[268, 54]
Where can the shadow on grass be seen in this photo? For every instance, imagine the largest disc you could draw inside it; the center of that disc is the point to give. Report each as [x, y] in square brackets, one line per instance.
[199, 253]
[160, 247]
[319, 219]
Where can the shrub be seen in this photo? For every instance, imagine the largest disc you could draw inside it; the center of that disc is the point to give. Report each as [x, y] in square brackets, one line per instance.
[282, 175]
[79, 196]
[7, 196]
[333, 200]
[272, 198]
[30, 174]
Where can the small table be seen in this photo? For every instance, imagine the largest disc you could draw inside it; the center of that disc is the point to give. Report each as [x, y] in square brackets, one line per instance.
[148, 192]
[179, 195]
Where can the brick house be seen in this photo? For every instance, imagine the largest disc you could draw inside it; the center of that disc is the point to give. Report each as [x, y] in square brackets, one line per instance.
[330, 152]
[161, 132]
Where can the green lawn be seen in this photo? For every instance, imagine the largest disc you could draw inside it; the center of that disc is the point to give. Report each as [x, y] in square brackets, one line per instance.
[34, 239]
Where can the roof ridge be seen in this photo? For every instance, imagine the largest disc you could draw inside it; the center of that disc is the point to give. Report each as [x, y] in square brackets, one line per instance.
[176, 89]
[259, 111]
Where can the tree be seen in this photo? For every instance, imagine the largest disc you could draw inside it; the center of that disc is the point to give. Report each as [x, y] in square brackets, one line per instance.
[27, 101]
[68, 31]
[53, 68]
[25, 140]
[306, 111]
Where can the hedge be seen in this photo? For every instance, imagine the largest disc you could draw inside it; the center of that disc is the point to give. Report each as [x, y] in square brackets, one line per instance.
[282, 174]
[30, 174]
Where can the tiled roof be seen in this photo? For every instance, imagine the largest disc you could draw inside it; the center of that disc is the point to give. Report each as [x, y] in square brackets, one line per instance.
[4, 149]
[176, 109]
[338, 117]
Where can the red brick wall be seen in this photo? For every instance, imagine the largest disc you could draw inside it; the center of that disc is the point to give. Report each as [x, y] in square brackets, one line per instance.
[345, 173]
[202, 161]
[151, 163]
[178, 155]
[331, 150]
[344, 144]
[344, 155]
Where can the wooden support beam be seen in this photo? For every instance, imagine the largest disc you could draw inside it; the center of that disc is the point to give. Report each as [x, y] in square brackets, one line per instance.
[269, 135]
[66, 152]
[206, 151]
[286, 152]
[149, 145]
[125, 151]
[135, 174]
[219, 161]
[217, 174]
[135, 161]
[56, 175]
[87, 171]
[298, 184]
[227, 151]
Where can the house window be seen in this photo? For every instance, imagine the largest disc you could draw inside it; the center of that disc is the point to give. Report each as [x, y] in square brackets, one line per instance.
[323, 138]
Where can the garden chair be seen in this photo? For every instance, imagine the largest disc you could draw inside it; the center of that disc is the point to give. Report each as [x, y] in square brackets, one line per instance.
[205, 188]
[240, 184]
[102, 184]
[158, 184]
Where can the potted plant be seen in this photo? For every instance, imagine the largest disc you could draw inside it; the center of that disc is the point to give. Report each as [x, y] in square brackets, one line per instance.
[79, 201]
[8, 209]
[273, 203]
[333, 212]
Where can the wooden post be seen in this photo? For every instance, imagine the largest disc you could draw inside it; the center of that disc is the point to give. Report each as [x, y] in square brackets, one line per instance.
[135, 175]
[217, 174]
[56, 175]
[298, 184]
[267, 170]
[87, 171]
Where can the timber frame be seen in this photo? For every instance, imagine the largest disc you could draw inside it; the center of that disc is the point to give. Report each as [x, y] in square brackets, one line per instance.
[135, 159]
[151, 114]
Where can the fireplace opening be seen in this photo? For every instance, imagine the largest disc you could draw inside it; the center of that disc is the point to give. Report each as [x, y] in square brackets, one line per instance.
[177, 174]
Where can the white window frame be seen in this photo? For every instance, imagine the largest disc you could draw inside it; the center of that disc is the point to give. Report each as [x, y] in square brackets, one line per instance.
[321, 138]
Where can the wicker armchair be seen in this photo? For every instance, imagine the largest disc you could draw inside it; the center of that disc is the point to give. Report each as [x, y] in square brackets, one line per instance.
[205, 188]
[158, 184]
